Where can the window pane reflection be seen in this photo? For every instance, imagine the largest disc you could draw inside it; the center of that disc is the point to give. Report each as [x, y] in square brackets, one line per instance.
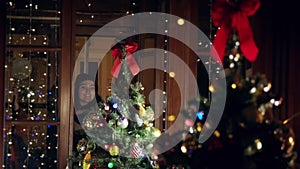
[31, 88]
[33, 51]
[30, 146]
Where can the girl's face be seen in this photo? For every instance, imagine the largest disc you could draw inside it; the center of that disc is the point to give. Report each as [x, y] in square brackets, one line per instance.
[86, 92]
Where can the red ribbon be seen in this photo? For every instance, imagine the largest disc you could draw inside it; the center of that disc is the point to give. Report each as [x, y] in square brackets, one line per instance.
[230, 16]
[117, 53]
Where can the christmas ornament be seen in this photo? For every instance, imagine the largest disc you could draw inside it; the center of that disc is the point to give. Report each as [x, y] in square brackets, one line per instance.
[149, 146]
[146, 114]
[91, 146]
[85, 146]
[82, 146]
[230, 16]
[92, 120]
[110, 165]
[138, 120]
[200, 115]
[106, 146]
[136, 151]
[142, 111]
[189, 122]
[115, 105]
[86, 165]
[123, 122]
[114, 150]
[119, 53]
[106, 107]
[156, 132]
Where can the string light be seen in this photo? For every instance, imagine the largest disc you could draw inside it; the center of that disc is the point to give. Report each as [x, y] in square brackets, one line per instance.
[209, 63]
[165, 77]
[89, 5]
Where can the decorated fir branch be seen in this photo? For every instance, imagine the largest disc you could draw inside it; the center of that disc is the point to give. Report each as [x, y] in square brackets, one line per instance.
[90, 157]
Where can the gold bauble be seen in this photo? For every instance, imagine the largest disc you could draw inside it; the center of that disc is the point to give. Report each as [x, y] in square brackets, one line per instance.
[114, 150]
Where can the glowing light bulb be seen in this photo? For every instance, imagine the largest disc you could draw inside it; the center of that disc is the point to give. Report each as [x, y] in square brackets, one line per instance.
[183, 149]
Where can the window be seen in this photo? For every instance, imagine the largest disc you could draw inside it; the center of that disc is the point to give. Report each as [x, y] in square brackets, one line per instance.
[32, 54]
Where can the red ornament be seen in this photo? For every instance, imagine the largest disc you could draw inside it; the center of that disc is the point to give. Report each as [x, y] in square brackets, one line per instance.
[130, 47]
[136, 151]
[189, 122]
[230, 16]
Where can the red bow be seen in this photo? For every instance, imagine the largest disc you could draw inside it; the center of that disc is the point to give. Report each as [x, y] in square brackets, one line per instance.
[117, 53]
[229, 16]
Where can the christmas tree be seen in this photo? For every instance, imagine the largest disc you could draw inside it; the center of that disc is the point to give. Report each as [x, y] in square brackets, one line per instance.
[248, 135]
[121, 132]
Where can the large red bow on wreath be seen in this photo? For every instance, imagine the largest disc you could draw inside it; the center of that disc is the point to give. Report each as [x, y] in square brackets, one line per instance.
[230, 16]
[125, 53]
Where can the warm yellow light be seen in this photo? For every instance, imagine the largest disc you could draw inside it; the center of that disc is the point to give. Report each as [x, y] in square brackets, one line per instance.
[253, 90]
[172, 74]
[268, 87]
[233, 85]
[171, 118]
[199, 128]
[291, 141]
[183, 149]
[147, 128]
[217, 133]
[237, 57]
[156, 132]
[211, 88]
[258, 144]
[180, 21]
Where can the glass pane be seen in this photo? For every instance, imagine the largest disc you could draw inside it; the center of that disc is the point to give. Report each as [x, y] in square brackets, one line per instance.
[31, 84]
[31, 88]
[29, 146]
[33, 23]
[35, 5]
